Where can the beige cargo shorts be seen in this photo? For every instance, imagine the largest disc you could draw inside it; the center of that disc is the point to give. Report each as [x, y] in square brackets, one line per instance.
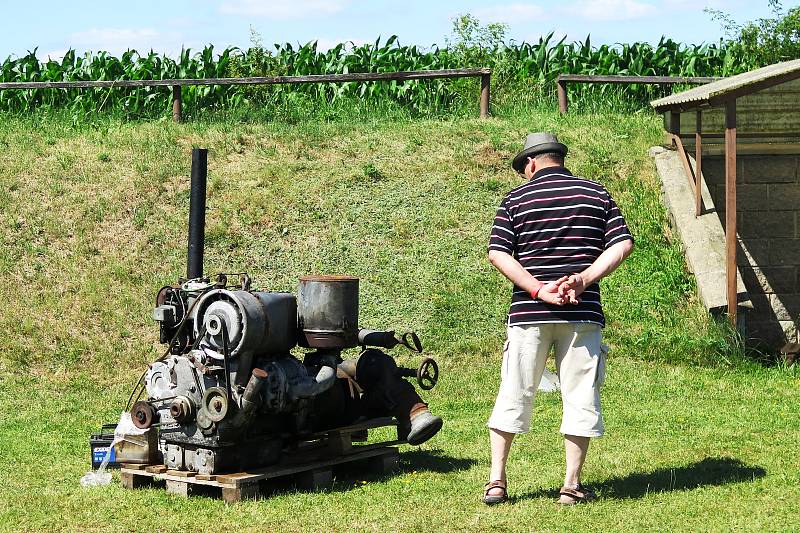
[580, 363]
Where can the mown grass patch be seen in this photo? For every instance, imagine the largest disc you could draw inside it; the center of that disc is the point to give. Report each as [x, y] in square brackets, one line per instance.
[93, 223]
[687, 449]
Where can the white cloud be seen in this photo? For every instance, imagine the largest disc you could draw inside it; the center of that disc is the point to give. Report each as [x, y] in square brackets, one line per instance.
[611, 9]
[511, 13]
[282, 9]
[558, 34]
[699, 5]
[117, 40]
[54, 55]
[323, 44]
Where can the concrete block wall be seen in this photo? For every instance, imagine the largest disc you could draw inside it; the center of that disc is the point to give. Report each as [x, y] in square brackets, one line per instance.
[768, 224]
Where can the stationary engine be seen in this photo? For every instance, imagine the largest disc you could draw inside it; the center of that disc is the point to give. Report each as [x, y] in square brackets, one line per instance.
[228, 394]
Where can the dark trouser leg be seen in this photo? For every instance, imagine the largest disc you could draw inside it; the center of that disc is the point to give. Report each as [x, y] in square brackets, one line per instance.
[335, 407]
[386, 393]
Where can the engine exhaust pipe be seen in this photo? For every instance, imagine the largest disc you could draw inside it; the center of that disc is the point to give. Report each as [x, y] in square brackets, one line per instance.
[197, 213]
[250, 399]
[312, 387]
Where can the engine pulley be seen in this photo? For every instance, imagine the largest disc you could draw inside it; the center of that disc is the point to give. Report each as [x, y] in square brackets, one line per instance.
[143, 415]
[182, 409]
[215, 403]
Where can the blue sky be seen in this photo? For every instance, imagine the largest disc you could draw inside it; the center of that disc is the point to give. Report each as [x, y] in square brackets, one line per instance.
[166, 26]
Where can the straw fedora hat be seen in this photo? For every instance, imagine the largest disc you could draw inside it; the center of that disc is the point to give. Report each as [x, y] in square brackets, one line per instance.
[538, 143]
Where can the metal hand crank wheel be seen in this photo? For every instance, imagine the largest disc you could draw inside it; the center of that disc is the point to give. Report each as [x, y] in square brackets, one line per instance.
[427, 374]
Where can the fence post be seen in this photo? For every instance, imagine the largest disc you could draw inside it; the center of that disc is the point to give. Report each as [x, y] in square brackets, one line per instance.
[563, 103]
[176, 103]
[485, 84]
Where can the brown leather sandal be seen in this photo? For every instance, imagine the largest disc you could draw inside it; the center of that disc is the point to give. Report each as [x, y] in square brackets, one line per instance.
[575, 495]
[494, 499]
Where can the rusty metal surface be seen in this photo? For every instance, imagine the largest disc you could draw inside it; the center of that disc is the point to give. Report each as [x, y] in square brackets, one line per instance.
[142, 415]
[327, 311]
[181, 409]
[715, 93]
[215, 403]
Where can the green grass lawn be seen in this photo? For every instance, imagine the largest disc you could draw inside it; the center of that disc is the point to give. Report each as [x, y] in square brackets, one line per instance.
[92, 223]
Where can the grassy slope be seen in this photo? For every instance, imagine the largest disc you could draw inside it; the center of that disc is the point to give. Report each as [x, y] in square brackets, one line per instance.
[92, 223]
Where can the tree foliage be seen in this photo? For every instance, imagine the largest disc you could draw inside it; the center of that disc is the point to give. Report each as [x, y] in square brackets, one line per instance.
[766, 40]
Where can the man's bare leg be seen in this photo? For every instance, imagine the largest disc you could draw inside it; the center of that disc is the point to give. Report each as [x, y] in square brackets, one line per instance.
[501, 444]
[575, 448]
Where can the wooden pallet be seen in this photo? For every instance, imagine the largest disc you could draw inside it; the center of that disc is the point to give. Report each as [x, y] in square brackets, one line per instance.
[311, 467]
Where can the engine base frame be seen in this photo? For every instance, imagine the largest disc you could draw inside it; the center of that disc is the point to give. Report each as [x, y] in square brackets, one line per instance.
[310, 465]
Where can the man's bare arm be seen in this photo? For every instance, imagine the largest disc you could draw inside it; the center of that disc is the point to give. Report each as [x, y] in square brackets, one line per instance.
[516, 273]
[604, 265]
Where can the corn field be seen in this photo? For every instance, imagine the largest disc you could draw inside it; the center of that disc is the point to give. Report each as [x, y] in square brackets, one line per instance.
[528, 67]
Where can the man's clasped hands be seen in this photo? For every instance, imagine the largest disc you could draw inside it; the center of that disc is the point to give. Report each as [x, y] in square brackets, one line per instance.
[565, 290]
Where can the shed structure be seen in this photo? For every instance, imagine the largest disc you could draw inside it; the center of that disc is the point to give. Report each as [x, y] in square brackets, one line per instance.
[744, 135]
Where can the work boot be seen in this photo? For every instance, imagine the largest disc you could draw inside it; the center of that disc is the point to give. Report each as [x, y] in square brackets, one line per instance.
[423, 426]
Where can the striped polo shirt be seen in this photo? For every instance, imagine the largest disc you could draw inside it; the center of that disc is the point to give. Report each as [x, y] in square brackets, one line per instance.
[557, 224]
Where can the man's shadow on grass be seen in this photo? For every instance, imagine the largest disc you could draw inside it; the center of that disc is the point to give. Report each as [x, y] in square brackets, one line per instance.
[432, 460]
[709, 471]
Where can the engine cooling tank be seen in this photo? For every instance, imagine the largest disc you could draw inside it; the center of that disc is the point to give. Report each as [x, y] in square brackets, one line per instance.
[327, 308]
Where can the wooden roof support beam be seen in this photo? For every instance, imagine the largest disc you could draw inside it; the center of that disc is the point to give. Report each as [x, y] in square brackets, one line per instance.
[730, 208]
[698, 165]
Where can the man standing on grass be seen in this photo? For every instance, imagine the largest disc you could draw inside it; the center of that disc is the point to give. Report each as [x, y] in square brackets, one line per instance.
[554, 237]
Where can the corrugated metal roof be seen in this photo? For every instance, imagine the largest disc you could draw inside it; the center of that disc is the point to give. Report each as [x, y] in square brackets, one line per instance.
[715, 92]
